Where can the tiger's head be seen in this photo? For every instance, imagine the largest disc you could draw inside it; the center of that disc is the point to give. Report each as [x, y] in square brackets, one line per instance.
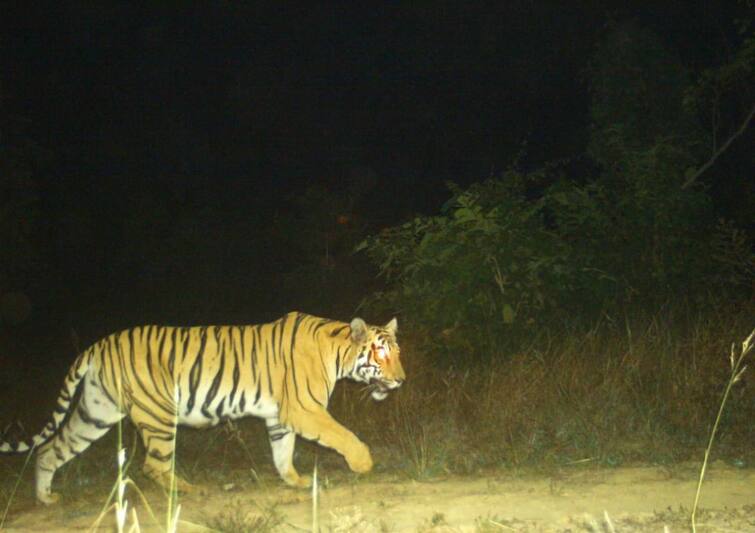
[378, 359]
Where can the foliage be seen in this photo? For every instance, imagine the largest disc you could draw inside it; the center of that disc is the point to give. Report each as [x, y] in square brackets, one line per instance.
[496, 263]
[638, 230]
[487, 263]
[530, 250]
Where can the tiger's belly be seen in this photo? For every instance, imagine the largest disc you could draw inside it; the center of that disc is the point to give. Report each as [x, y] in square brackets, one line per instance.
[199, 418]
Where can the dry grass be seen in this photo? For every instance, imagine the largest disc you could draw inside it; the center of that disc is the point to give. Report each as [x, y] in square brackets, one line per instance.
[620, 393]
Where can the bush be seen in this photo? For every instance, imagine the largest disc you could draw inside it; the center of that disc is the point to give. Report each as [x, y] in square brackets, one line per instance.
[480, 270]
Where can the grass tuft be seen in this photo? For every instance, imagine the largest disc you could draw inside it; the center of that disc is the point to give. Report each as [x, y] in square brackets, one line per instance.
[237, 520]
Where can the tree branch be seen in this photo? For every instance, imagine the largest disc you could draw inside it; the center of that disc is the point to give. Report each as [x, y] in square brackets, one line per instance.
[689, 181]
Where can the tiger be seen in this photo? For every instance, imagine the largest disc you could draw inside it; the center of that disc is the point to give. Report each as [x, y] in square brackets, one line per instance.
[161, 377]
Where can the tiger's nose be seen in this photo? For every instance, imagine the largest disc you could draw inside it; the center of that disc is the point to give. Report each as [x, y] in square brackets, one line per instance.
[398, 381]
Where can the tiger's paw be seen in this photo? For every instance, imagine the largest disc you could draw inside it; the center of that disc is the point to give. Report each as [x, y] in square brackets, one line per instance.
[48, 498]
[304, 482]
[171, 481]
[297, 481]
[360, 461]
[185, 487]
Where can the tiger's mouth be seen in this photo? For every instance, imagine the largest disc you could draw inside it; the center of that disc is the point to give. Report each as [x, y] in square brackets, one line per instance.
[379, 388]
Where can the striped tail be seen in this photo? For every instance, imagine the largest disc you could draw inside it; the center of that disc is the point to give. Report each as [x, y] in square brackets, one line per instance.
[67, 392]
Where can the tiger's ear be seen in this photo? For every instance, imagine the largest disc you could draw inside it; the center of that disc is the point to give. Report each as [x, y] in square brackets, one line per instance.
[392, 326]
[358, 331]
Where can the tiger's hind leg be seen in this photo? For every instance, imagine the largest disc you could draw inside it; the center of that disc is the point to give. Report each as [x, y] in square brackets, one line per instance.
[282, 441]
[92, 417]
[158, 432]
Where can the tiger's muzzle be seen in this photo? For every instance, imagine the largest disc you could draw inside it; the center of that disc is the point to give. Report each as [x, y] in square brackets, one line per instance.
[381, 387]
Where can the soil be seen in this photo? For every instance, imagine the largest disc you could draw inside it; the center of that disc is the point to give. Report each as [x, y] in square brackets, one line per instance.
[577, 499]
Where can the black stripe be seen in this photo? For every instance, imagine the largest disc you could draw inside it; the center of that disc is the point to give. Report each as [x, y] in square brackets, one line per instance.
[172, 355]
[196, 371]
[113, 358]
[89, 419]
[338, 331]
[121, 362]
[284, 384]
[160, 457]
[313, 396]
[219, 340]
[154, 433]
[236, 364]
[269, 377]
[213, 390]
[59, 454]
[219, 412]
[235, 382]
[253, 351]
[278, 436]
[148, 354]
[167, 420]
[168, 388]
[101, 375]
[294, 333]
[139, 381]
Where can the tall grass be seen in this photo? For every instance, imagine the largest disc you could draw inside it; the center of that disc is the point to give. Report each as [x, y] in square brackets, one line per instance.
[625, 391]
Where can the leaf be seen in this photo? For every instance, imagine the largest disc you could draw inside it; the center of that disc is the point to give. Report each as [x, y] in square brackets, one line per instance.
[464, 214]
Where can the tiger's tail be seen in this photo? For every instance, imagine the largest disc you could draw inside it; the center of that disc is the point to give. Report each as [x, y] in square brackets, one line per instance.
[75, 374]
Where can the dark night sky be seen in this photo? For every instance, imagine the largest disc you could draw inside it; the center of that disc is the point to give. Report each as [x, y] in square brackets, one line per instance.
[236, 106]
[288, 95]
[425, 92]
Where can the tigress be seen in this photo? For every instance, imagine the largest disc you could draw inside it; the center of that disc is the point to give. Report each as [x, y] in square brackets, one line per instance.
[159, 376]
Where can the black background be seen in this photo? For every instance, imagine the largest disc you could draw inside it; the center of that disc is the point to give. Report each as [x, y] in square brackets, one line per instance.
[214, 117]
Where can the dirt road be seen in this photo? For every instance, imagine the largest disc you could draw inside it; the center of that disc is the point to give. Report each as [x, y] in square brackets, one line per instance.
[578, 499]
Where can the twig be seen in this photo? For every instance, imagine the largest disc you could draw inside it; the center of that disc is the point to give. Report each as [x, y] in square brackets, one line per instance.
[315, 502]
[721, 150]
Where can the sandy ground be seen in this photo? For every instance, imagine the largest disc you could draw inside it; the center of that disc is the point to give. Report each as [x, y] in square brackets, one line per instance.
[579, 499]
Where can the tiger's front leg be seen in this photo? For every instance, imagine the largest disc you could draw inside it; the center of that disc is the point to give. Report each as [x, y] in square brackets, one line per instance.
[319, 426]
[282, 441]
